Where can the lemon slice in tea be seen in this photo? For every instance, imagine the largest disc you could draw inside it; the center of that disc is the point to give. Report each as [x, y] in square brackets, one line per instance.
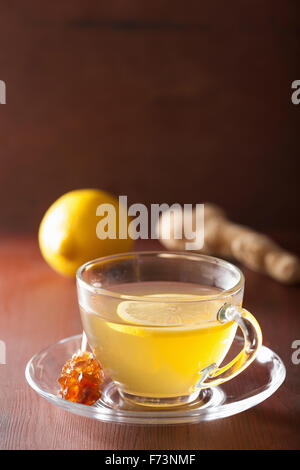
[168, 313]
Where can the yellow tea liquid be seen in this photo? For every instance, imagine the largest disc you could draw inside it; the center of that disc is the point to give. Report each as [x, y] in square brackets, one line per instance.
[158, 346]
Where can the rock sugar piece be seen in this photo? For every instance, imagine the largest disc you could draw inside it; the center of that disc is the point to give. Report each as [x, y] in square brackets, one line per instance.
[81, 379]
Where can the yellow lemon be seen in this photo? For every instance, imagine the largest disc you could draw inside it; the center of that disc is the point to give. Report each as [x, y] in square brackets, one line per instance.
[67, 233]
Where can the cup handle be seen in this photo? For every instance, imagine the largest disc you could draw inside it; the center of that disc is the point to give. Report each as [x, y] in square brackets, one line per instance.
[213, 375]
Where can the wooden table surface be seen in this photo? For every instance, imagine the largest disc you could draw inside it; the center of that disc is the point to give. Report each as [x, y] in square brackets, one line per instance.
[39, 307]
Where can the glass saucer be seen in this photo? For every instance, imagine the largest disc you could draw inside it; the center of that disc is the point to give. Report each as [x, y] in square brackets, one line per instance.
[256, 384]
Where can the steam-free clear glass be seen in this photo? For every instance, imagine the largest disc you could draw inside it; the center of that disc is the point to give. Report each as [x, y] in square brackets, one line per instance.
[159, 363]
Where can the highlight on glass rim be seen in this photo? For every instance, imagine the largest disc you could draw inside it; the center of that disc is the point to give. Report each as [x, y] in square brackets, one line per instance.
[149, 232]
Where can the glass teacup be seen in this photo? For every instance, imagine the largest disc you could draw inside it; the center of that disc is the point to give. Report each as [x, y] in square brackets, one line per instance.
[161, 323]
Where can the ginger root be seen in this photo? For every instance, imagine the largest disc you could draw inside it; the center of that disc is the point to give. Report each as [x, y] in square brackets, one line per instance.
[230, 240]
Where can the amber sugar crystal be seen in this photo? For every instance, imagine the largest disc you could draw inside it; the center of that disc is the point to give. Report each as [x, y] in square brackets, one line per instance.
[81, 379]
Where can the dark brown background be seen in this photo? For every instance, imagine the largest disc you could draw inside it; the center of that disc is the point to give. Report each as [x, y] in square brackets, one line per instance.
[164, 101]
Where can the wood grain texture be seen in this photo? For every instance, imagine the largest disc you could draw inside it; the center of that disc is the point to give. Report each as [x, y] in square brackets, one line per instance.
[39, 307]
